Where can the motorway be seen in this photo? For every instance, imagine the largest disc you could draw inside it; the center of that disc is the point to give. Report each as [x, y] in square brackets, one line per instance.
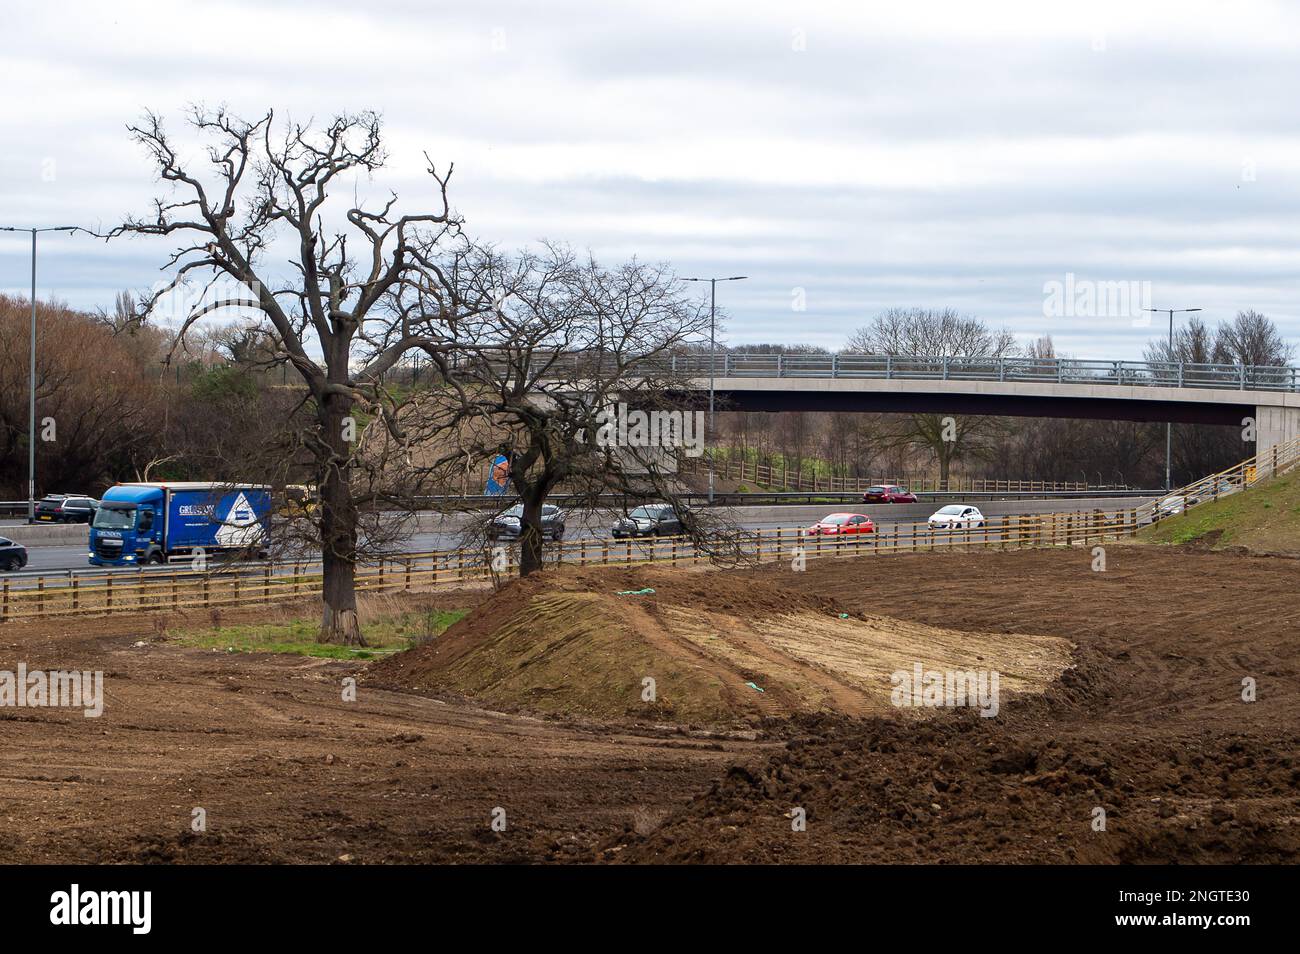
[447, 532]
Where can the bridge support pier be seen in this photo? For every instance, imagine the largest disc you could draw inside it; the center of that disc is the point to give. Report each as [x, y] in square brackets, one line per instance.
[1273, 425]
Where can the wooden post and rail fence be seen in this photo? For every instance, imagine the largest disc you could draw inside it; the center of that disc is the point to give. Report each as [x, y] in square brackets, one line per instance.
[775, 476]
[28, 597]
[146, 590]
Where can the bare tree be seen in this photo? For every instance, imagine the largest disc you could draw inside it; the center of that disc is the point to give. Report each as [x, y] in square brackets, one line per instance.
[1251, 338]
[1193, 342]
[570, 350]
[930, 333]
[336, 317]
[922, 333]
[1043, 349]
[93, 400]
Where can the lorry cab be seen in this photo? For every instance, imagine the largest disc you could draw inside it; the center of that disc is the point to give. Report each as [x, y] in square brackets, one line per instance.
[128, 528]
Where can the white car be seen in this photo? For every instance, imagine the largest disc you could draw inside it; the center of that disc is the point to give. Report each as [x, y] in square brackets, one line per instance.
[956, 517]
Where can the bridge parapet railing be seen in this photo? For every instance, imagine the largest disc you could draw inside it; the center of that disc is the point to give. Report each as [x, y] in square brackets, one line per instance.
[962, 368]
[574, 366]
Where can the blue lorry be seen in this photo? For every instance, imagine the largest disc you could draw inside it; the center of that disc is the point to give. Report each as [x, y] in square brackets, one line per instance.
[141, 523]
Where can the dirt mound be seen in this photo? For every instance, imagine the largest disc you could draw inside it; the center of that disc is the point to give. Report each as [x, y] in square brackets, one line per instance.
[697, 647]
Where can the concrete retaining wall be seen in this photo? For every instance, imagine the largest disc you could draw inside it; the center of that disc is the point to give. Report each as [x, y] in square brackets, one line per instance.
[48, 535]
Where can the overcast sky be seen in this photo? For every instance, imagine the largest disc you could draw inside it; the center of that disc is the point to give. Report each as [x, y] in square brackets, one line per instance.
[847, 156]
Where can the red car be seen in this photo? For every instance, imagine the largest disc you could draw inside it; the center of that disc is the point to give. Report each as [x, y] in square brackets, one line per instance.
[888, 493]
[841, 523]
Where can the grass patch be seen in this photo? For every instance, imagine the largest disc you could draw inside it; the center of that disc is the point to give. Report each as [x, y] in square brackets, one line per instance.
[1264, 518]
[387, 634]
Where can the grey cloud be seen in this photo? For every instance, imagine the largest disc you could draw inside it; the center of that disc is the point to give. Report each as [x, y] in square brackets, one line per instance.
[1115, 165]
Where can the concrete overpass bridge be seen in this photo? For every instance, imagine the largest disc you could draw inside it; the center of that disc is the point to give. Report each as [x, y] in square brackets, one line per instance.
[1018, 387]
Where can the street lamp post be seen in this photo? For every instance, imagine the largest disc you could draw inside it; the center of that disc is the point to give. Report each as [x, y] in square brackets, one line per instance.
[713, 303]
[1169, 427]
[31, 371]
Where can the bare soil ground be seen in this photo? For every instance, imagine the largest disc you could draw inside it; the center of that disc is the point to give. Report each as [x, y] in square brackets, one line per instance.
[1148, 724]
[288, 772]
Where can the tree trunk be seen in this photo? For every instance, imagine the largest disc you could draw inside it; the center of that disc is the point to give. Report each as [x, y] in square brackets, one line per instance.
[339, 622]
[530, 540]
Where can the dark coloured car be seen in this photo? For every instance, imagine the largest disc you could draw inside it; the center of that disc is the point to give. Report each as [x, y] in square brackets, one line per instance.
[653, 520]
[13, 556]
[509, 525]
[66, 508]
[888, 493]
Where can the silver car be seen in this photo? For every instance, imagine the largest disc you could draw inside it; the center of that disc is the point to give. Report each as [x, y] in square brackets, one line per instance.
[1172, 506]
[509, 525]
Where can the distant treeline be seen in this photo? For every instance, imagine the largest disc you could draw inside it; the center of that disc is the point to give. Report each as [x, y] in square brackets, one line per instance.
[113, 404]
